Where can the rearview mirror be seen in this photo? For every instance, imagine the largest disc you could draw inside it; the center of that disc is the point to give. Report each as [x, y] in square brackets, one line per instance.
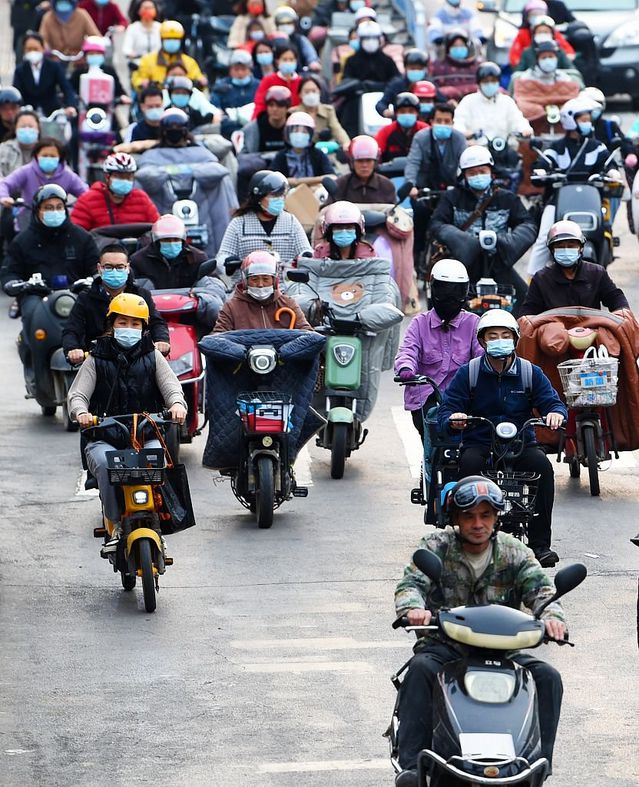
[207, 267]
[566, 579]
[299, 277]
[232, 265]
[404, 190]
[330, 185]
[429, 564]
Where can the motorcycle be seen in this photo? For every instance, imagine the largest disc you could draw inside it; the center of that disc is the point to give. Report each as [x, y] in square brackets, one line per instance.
[95, 123]
[486, 728]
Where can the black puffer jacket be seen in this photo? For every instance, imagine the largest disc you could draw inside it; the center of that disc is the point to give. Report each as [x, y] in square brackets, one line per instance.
[148, 263]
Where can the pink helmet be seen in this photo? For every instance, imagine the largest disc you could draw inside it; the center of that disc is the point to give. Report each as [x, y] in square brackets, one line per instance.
[94, 44]
[363, 147]
[340, 213]
[301, 119]
[259, 263]
[168, 226]
[535, 5]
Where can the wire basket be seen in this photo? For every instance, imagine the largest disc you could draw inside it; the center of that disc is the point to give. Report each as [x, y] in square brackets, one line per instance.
[519, 490]
[265, 412]
[143, 467]
[590, 381]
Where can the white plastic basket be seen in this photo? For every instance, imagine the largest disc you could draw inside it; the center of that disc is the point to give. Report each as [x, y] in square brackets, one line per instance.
[592, 380]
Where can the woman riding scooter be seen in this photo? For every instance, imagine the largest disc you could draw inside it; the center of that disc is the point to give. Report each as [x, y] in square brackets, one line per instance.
[300, 159]
[342, 233]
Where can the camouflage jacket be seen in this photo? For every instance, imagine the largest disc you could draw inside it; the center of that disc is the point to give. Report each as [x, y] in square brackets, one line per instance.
[512, 577]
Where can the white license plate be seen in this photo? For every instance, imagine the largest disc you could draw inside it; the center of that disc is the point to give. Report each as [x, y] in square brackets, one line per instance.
[487, 745]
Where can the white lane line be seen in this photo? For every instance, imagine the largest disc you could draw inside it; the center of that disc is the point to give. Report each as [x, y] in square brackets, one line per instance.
[410, 439]
[324, 765]
[307, 666]
[303, 468]
[317, 643]
[80, 491]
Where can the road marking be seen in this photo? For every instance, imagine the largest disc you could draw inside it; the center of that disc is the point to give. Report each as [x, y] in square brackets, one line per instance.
[303, 468]
[316, 643]
[410, 439]
[324, 765]
[307, 666]
[80, 491]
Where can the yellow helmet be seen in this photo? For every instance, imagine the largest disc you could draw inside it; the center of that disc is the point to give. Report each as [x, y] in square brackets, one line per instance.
[171, 29]
[129, 305]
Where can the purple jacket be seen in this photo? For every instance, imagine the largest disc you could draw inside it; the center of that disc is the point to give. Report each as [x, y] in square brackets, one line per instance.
[429, 349]
[27, 180]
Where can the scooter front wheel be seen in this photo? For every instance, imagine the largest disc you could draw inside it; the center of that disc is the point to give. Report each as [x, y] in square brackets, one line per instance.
[339, 450]
[148, 579]
[265, 494]
[590, 447]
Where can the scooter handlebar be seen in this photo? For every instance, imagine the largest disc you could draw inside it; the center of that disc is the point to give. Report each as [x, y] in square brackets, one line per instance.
[404, 623]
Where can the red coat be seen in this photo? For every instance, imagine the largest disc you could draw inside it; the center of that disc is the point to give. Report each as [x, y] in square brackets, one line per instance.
[524, 39]
[92, 208]
[395, 141]
[104, 16]
[275, 79]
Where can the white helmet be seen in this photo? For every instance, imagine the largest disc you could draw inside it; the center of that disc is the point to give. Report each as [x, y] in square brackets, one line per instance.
[369, 30]
[475, 156]
[596, 95]
[449, 270]
[365, 12]
[497, 318]
[576, 106]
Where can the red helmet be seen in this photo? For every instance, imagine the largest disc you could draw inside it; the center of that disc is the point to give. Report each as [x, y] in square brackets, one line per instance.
[425, 89]
[341, 213]
[363, 147]
[168, 226]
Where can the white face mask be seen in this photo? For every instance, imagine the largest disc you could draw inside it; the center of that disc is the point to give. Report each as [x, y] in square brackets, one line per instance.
[288, 30]
[260, 293]
[311, 99]
[33, 57]
[370, 45]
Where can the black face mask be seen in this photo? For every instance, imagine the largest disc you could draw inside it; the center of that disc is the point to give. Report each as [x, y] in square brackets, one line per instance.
[175, 135]
[448, 308]
[448, 299]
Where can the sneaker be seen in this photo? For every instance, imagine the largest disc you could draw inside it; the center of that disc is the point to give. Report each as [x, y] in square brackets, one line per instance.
[406, 779]
[112, 544]
[546, 556]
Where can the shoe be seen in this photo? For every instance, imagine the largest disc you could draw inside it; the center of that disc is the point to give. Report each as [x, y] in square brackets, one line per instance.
[111, 545]
[546, 556]
[406, 779]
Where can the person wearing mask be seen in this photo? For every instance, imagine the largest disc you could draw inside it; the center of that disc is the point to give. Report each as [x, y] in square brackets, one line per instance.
[10, 105]
[152, 108]
[363, 185]
[301, 159]
[370, 63]
[65, 26]
[286, 61]
[427, 94]
[94, 50]
[263, 58]
[415, 70]
[249, 11]
[262, 223]
[396, 138]
[454, 75]
[476, 204]
[235, 90]
[287, 23]
[606, 130]
[323, 114]
[42, 82]
[489, 112]
[453, 15]
[153, 67]
[532, 11]
[542, 30]
[571, 280]
[257, 298]
[142, 36]
[181, 94]
[114, 201]
[266, 133]
[18, 151]
[343, 234]
[106, 15]
[25, 15]
[438, 342]
[87, 319]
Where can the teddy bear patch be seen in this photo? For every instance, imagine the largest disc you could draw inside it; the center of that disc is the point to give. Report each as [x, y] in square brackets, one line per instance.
[346, 294]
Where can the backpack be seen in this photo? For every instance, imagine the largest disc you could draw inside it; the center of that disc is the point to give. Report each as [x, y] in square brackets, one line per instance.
[525, 371]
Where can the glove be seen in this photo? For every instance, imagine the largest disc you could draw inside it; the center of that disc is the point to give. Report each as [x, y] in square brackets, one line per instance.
[406, 374]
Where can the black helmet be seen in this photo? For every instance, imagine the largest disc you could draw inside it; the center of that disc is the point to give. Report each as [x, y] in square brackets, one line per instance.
[406, 100]
[457, 32]
[474, 489]
[546, 46]
[48, 191]
[415, 57]
[266, 182]
[488, 69]
[10, 95]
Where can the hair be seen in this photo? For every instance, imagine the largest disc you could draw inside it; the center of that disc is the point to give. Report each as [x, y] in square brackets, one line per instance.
[282, 47]
[114, 248]
[34, 35]
[445, 107]
[151, 90]
[134, 10]
[24, 113]
[308, 78]
[263, 42]
[49, 142]
[174, 66]
[250, 205]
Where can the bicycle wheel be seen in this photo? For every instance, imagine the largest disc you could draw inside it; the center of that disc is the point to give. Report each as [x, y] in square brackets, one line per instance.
[590, 447]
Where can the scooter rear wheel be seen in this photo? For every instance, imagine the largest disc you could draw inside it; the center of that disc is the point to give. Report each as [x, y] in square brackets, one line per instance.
[574, 467]
[590, 447]
[339, 450]
[265, 494]
[148, 580]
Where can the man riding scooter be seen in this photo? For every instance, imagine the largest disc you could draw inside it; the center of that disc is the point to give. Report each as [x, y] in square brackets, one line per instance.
[480, 566]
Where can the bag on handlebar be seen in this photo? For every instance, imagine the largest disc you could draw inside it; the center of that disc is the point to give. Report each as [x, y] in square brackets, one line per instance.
[176, 499]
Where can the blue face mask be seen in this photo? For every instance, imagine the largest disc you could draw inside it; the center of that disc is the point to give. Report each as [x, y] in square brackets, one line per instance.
[54, 218]
[288, 68]
[275, 205]
[95, 60]
[102, 2]
[127, 337]
[355, 5]
[354, 44]
[566, 257]
[120, 187]
[489, 89]
[170, 249]
[299, 139]
[171, 45]
[264, 58]
[426, 109]
[344, 238]
[585, 128]
[114, 279]
[64, 9]
[479, 182]
[458, 52]
[500, 348]
[153, 114]
[407, 119]
[241, 81]
[442, 132]
[415, 76]
[48, 164]
[180, 100]
[27, 135]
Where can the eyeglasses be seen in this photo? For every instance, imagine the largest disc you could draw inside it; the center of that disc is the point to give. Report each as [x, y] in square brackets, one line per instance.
[115, 267]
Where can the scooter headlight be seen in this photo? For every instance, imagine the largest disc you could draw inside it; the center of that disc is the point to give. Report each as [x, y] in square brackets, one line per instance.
[62, 305]
[343, 353]
[262, 360]
[484, 686]
[141, 497]
[182, 365]
[506, 430]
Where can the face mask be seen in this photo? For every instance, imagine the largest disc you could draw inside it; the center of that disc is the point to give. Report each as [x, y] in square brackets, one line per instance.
[27, 135]
[95, 60]
[275, 206]
[344, 238]
[585, 128]
[255, 9]
[287, 68]
[153, 114]
[34, 57]
[127, 337]
[54, 218]
[170, 249]
[260, 293]
[311, 100]
[175, 135]
[548, 65]
[264, 58]
[180, 100]
[64, 7]
[355, 5]
[447, 308]
[354, 44]
[489, 89]
[299, 139]
[257, 35]
[454, 3]
[48, 164]
[120, 187]
[500, 348]
[102, 2]
[288, 30]
[171, 45]
[442, 132]
[114, 279]
[148, 13]
[415, 76]
[479, 182]
[458, 52]
[370, 45]
[241, 81]
[539, 39]
[426, 109]
[407, 120]
[566, 257]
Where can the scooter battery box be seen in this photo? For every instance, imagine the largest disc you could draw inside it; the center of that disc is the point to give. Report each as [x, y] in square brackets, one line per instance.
[343, 367]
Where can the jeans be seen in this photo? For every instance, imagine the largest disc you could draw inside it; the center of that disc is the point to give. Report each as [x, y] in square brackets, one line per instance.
[416, 700]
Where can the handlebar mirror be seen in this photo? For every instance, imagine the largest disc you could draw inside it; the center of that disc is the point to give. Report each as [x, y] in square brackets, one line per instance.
[566, 579]
[428, 563]
[330, 185]
[207, 267]
[232, 265]
[299, 277]
[404, 190]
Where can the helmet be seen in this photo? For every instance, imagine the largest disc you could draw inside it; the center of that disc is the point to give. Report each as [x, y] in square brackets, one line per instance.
[564, 230]
[457, 32]
[94, 44]
[363, 147]
[342, 212]
[285, 16]
[425, 89]
[596, 95]
[174, 117]
[10, 95]
[365, 13]
[472, 490]
[241, 57]
[369, 30]
[171, 29]
[259, 263]
[280, 94]
[179, 83]
[406, 100]
[266, 182]
[119, 162]
[475, 156]
[488, 69]
[48, 191]
[574, 108]
[449, 270]
[548, 21]
[546, 46]
[496, 318]
[129, 305]
[415, 57]
[535, 5]
[168, 226]
[300, 119]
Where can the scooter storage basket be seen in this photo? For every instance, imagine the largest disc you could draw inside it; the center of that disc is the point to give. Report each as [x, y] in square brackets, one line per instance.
[590, 381]
[136, 467]
[265, 412]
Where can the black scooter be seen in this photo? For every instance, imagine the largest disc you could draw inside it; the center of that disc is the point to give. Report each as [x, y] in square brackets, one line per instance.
[485, 717]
